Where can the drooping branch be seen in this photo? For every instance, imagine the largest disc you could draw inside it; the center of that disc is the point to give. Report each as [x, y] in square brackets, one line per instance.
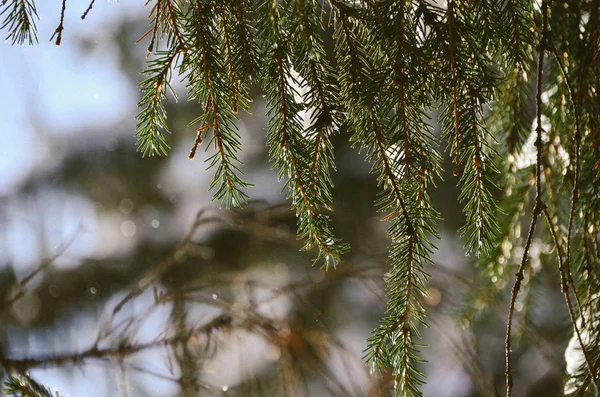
[539, 205]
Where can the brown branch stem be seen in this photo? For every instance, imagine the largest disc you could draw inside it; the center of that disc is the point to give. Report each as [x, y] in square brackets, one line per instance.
[539, 205]
[454, 86]
[121, 351]
[60, 27]
[88, 9]
[564, 287]
[575, 191]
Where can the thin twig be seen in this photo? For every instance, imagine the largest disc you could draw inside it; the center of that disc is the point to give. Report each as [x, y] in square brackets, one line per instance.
[122, 350]
[60, 27]
[565, 290]
[454, 87]
[515, 291]
[171, 19]
[539, 205]
[586, 381]
[149, 277]
[575, 193]
[19, 289]
[87, 10]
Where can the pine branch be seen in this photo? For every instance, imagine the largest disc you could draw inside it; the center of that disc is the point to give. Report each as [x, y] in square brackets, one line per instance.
[244, 30]
[350, 56]
[409, 254]
[477, 182]
[394, 62]
[233, 80]
[289, 145]
[208, 82]
[24, 386]
[20, 16]
[405, 162]
[152, 117]
[166, 17]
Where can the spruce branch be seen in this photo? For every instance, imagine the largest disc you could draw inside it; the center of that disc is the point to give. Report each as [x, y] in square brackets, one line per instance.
[320, 94]
[322, 109]
[152, 118]
[515, 19]
[208, 83]
[400, 83]
[155, 12]
[477, 185]
[166, 17]
[20, 16]
[25, 386]
[172, 15]
[493, 266]
[477, 182]
[244, 30]
[289, 145]
[400, 148]
[462, 122]
[392, 342]
[225, 29]
[350, 55]
[393, 63]
[511, 115]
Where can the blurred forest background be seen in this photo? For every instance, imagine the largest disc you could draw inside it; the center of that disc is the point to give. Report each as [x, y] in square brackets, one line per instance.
[120, 277]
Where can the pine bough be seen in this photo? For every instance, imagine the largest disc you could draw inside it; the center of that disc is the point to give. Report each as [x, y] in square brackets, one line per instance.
[392, 63]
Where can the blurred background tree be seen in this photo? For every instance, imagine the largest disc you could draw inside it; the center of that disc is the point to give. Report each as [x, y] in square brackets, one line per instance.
[120, 276]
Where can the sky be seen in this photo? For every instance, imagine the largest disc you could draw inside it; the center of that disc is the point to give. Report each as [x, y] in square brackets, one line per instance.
[49, 93]
[59, 88]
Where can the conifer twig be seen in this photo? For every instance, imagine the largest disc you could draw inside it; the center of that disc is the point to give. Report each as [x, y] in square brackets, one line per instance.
[22, 385]
[172, 19]
[564, 287]
[575, 191]
[588, 377]
[88, 9]
[19, 288]
[60, 27]
[454, 87]
[150, 276]
[124, 349]
[399, 82]
[539, 205]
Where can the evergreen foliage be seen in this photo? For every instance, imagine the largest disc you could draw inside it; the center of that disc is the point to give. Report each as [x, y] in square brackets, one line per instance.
[24, 386]
[517, 83]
